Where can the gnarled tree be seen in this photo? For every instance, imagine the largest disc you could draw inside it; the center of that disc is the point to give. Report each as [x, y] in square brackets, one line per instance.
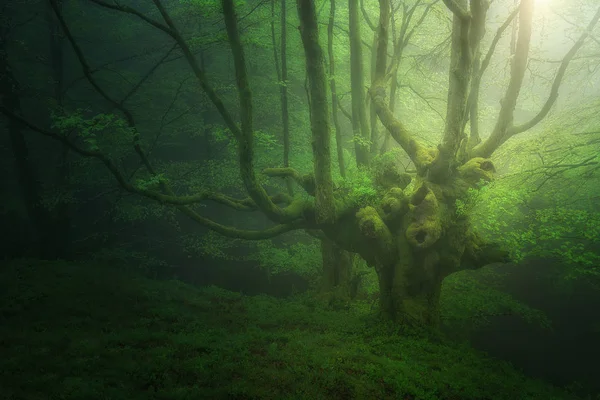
[411, 234]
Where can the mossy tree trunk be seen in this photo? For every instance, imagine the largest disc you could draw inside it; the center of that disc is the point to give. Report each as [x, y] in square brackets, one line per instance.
[414, 238]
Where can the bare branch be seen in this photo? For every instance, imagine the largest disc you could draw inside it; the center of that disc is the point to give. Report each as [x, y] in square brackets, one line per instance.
[425, 99]
[479, 68]
[344, 111]
[88, 74]
[366, 16]
[519, 65]
[132, 11]
[488, 57]
[420, 155]
[504, 128]
[420, 21]
[189, 56]
[558, 79]
[307, 181]
[148, 75]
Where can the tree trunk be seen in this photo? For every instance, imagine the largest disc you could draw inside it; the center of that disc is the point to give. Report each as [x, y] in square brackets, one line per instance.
[282, 79]
[360, 123]
[332, 86]
[61, 220]
[319, 112]
[337, 266]
[338, 283]
[285, 119]
[411, 282]
[409, 287]
[50, 231]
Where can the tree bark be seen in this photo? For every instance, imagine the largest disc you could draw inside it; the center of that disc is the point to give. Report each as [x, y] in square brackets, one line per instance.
[319, 121]
[337, 269]
[332, 86]
[360, 123]
[282, 78]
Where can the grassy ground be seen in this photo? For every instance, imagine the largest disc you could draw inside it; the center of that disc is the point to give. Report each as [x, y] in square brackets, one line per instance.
[83, 332]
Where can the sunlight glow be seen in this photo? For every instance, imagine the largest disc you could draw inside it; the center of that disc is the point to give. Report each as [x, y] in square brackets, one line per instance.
[542, 6]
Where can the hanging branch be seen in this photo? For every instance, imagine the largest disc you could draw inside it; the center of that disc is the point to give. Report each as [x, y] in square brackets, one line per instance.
[167, 196]
[180, 202]
[243, 134]
[190, 58]
[87, 71]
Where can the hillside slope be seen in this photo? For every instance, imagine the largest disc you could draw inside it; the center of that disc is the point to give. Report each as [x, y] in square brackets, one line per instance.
[75, 331]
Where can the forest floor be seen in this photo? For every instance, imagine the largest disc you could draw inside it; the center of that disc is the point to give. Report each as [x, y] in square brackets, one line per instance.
[85, 331]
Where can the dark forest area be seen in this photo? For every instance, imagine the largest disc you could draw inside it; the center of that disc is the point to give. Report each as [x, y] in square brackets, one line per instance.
[309, 199]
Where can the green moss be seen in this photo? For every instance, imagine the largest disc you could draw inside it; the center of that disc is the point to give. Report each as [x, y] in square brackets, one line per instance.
[394, 204]
[476, 169]
[387, 171]
[371, 224]
[426, 227]
[357, 189]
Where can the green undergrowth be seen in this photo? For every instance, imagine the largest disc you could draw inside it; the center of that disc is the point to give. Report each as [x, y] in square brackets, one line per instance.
[81, 331]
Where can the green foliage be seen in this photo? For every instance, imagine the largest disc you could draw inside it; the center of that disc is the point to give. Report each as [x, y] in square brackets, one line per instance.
[266, 140]
[571, 235]
[530, 225]
[369, 282]
[470, 298]
[209, 8]
[300, 254]
[357, 188]
[394, 155]
[213, 245]
[102, 132]
[550, 222]
[92, 331]
[361, 141]
[130, 260]
[498, 212]
[153, 182]
[300, 258]
[548, 196]
[140, 210]
[465, 205]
